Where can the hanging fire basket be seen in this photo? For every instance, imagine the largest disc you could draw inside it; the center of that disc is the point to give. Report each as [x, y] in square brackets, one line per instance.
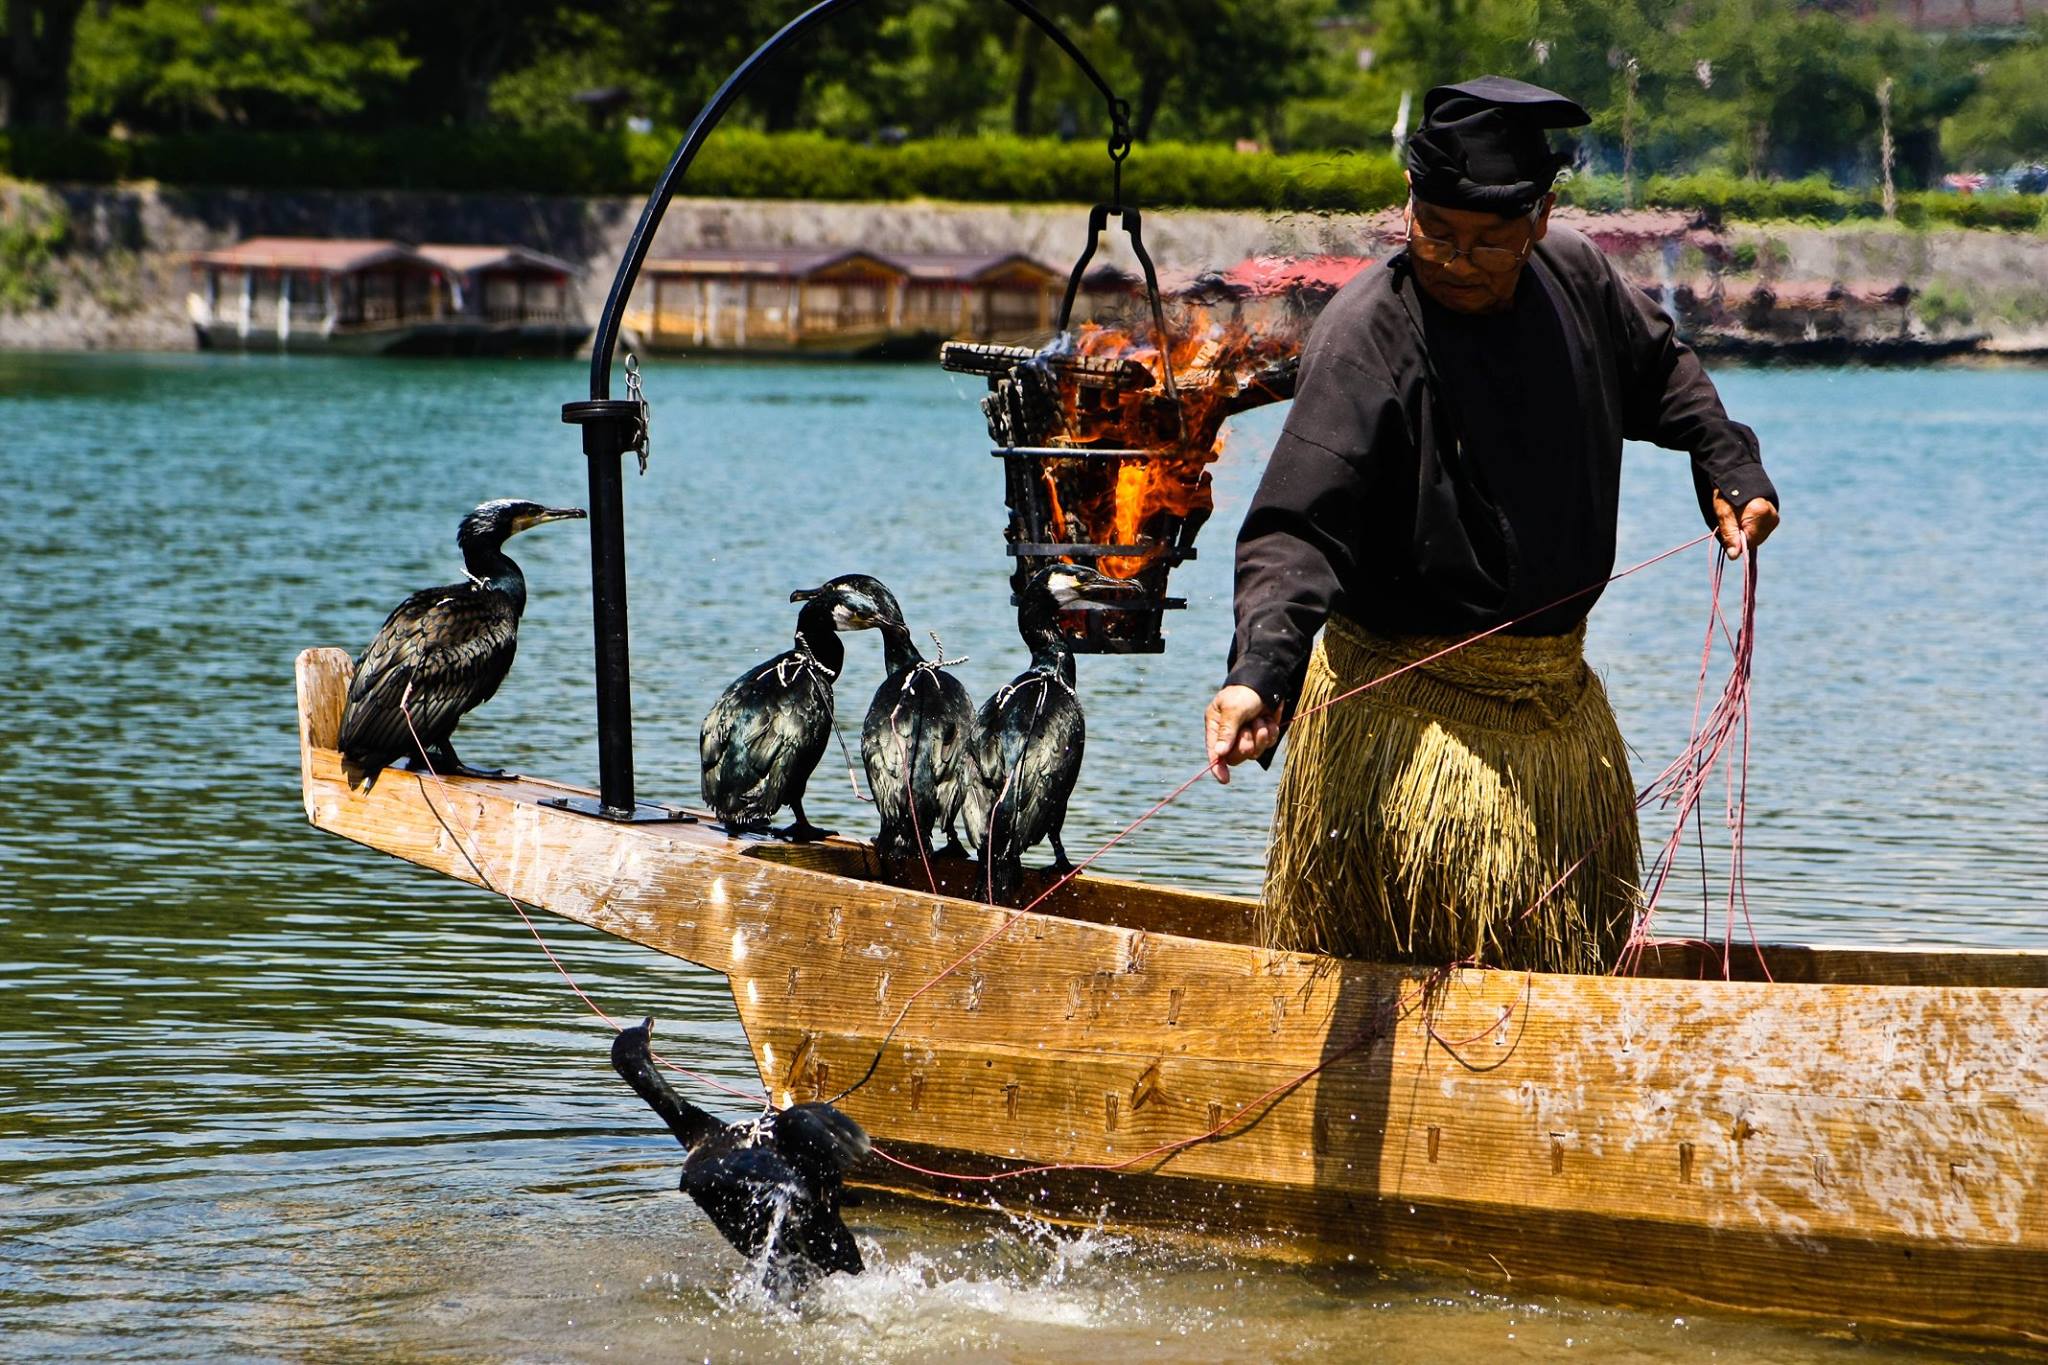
[1106, 440]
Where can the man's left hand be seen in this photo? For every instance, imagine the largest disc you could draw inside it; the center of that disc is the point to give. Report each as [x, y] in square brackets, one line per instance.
[1757, 522]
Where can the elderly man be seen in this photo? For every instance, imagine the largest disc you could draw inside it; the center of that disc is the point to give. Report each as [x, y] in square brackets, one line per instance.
[1453, 462]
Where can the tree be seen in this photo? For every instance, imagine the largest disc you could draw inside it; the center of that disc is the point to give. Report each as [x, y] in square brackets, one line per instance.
[2006, 119]
[35, 63]
[246, 63]
[459, 50]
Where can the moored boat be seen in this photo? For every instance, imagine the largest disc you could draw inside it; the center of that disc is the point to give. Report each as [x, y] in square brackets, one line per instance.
[1835, 1135]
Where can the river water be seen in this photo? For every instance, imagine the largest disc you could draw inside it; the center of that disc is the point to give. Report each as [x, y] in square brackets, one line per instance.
[264, 1095]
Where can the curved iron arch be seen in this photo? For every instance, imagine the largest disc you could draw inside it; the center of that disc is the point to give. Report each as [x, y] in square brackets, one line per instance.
[604, 341]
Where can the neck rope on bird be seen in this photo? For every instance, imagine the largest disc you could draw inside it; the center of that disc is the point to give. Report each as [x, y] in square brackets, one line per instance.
[799, 661]
[1041, 678]
[1678, 786]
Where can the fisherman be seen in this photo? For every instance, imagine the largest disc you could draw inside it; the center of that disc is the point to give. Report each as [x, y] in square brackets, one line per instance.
[1453, 462]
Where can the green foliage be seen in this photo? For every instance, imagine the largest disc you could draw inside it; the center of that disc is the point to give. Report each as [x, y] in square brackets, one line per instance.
[1944, 306]
[243, 63]
[33, 229]
[1723, 194]
[1755, 108]
[2006, 118]
[743, 163]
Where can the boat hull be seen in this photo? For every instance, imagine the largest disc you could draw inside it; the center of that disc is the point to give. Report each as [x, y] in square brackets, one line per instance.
[1866, 1142]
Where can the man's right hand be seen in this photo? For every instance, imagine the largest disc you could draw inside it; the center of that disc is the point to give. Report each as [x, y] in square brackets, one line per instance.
[1241, 725]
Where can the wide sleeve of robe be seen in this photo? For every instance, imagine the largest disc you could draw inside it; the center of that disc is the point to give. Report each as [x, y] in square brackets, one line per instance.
[1667, 399]
[1313, 507]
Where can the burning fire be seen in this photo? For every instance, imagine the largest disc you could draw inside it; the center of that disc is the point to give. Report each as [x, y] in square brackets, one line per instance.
[1215, 368]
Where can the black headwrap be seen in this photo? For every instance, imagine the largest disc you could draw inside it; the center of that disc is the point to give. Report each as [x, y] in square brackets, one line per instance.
[1481, 144]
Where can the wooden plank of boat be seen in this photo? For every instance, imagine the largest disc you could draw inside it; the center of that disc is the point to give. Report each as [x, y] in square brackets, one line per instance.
[1863, 1139]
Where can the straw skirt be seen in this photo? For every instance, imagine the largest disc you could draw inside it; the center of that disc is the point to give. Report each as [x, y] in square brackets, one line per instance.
[1478, 807]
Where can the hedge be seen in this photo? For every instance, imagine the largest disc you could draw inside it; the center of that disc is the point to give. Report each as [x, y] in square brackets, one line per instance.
[744, 164]
[1809, 200]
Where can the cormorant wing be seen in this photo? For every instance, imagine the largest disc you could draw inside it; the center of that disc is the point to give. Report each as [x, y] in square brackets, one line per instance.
[741, 1190]
[819, 1141]
[452, 645]
[757, 736]
[1028, 746]
[952, 727]
[739, 1187]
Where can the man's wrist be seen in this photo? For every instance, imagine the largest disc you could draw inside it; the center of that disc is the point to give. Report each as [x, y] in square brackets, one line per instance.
[1744, 484]
[1262, 676]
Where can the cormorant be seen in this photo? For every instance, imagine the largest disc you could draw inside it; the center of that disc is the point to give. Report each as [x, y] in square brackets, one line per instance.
[778, 1176]
[914, 745]
[767, 731]
[1029, 735]
[442, 653]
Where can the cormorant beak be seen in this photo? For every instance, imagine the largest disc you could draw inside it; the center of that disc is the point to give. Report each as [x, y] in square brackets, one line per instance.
[805, 594]
[547, 514]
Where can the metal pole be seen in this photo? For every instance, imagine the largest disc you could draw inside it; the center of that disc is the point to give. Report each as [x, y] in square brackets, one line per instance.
[611, 428]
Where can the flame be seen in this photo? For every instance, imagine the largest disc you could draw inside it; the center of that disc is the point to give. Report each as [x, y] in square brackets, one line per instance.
[1212, 362]
[1057, 523]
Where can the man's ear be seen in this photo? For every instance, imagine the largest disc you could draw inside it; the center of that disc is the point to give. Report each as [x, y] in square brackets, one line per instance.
[1543, 217]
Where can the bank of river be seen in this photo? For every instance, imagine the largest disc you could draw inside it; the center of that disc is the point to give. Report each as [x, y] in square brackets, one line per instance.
[275, 1096]
[120, 274]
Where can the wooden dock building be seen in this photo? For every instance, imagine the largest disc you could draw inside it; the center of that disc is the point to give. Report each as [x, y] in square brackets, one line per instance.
[376, 296]
[1005, 297]
[523, 300]
[827, 301]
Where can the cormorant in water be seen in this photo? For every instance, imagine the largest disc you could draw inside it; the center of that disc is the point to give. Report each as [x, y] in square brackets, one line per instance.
[1029, 735]
[775, 1177]
[765, 734]
[442, 653]
[914, 745]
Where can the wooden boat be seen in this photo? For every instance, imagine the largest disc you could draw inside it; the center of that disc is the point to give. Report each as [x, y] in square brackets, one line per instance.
[1861, 1138]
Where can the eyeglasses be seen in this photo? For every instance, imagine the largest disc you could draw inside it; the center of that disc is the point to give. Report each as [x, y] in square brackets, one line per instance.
[1494, 260]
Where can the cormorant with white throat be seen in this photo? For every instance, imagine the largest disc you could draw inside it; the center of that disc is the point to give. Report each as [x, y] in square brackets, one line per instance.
[765, 734]
[914, 745]
[442, 653]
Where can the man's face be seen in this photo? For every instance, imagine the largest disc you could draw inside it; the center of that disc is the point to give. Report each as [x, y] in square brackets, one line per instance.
[1465, 284]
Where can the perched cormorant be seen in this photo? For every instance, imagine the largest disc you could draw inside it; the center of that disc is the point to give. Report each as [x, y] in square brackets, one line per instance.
[777, 1176]
[443, 652]
[1029, 735]
[914, 745]
[766, 732]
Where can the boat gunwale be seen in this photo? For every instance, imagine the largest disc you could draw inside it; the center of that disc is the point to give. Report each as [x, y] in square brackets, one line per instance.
[696, 838]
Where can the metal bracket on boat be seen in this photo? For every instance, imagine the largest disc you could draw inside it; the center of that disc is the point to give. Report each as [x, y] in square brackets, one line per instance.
[1133, 226]
[643, 812]
[635, 394]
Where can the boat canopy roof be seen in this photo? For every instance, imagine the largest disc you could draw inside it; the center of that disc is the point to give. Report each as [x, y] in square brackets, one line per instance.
[973, 267]
[464, 259]
[333, 255]
[809, 262]
[774, 262]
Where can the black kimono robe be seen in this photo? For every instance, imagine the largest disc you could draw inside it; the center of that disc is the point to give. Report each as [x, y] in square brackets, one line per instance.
[1443, 472]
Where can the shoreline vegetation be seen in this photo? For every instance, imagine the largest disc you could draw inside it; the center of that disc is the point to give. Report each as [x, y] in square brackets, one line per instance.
[749, 164]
